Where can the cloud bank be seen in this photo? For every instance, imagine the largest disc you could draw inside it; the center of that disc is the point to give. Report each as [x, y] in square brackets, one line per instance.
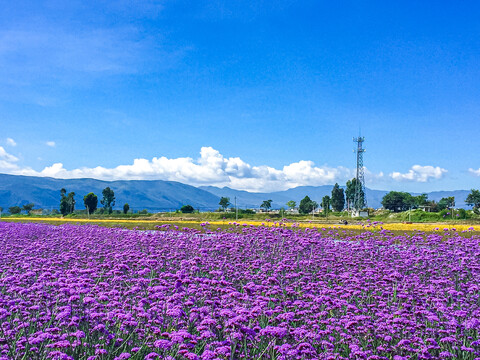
[212, 168]
[420, 173]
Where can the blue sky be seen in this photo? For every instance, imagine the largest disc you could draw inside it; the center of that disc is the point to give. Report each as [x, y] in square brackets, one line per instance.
[259, 96]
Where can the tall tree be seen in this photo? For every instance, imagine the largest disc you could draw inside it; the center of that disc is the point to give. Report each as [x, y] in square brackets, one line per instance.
[71, 202]
[64, 207]
[326, 201]
[473, 199]
[91, 202]
[338, 198]
[224, 202]
[126, 207]
[108, 200]
[350, 192]
[291, 204]
[267, 204]
[306, 205]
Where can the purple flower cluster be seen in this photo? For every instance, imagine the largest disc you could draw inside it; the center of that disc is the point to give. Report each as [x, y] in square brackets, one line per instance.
[86, 292]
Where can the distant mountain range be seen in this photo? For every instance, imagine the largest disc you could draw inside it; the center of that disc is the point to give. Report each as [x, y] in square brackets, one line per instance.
[155, 195]
[279, 199]
[159, 195]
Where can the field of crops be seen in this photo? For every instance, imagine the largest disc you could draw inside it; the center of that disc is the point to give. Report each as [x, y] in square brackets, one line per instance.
[89, 292]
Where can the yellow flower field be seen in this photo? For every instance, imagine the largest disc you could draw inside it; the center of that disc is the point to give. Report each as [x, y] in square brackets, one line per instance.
[366, 226]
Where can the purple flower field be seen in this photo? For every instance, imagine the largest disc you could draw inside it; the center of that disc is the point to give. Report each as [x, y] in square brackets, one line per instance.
[86, 292]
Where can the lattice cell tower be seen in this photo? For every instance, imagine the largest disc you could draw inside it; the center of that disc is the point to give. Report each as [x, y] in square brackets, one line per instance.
[360, 200]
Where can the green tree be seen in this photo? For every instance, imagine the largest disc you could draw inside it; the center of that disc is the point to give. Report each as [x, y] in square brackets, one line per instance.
[433, 205]
[291, 204]
[126, 207]
[90, 201]
[338, 198]
[446, 202]
[28, 207]
[306, 205]
[15, 210]
[266, 205]
[64, 207]
[473, 199]
[71, 202]
[326, 201]
[187, 209]
[398, 201]
[420, 200]
[224, 202]
[350, 192]
[108, 200]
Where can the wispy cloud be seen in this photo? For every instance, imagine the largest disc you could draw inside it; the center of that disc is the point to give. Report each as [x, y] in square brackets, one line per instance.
[5, 156]
[11, 142]
[419, 173]
[8, 162]
[36, 62]
[474, 172]
[88, 51]
[50, 143]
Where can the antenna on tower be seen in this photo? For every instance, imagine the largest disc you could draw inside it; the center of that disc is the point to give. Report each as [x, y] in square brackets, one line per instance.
[359, 200]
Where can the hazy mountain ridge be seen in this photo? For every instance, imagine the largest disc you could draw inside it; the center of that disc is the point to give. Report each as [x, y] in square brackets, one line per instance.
[159, 195]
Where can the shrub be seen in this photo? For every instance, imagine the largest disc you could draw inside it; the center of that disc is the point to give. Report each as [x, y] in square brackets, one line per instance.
[187, 209]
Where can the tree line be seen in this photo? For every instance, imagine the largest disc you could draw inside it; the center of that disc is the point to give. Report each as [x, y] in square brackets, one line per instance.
[397, 201]
[337, 201]
[67, 203]
[343, 199]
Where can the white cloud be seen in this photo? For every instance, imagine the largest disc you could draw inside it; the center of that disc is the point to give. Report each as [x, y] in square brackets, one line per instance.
[419, 173]
[211, 168]
[474, 172]
[50, 143]
[7, 162]
[11, 142]
[4, 156]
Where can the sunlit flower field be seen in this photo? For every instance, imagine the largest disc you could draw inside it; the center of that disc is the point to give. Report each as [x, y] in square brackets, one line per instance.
[264, 292]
